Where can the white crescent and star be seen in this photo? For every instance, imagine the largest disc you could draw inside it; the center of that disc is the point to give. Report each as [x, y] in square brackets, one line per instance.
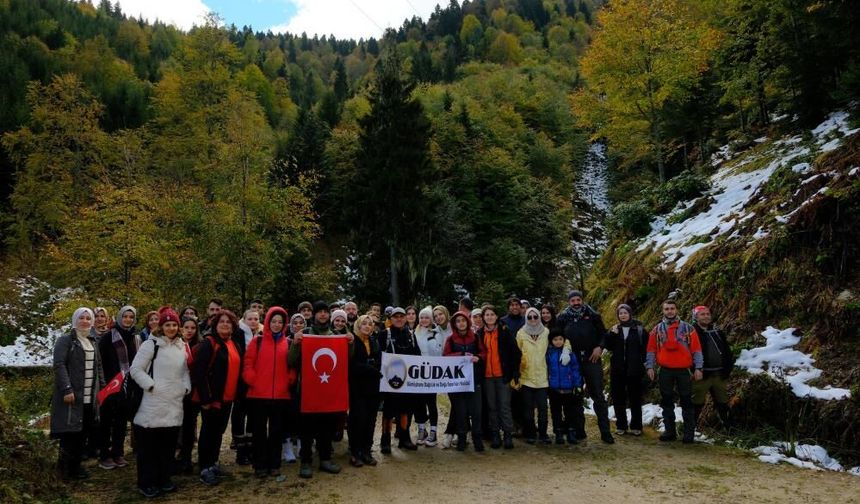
[324, 352]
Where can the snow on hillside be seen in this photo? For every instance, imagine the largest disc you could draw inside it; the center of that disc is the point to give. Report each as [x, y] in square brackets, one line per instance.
[782, 362]
[736, 181]
[591, 203]
[26, 314]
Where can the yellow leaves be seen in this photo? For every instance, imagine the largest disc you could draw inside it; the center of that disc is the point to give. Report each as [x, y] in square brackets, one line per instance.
[505, 49]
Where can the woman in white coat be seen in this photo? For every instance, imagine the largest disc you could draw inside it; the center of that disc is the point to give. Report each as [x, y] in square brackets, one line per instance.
[161, 370]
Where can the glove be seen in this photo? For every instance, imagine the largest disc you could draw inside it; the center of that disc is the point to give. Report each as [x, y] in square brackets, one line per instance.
[564, 359]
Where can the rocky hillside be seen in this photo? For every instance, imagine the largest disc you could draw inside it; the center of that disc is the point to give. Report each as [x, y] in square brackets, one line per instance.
[772, 242]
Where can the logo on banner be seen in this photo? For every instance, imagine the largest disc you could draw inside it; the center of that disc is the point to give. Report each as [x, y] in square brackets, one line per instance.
[395, 373]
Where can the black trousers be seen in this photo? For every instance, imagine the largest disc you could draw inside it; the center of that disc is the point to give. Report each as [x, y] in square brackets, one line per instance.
[362, 422]
[268, 431]
[212, 430]
[534, 398]
[467, 406]
[592, 372]
[317, 427]
[240, 419]
[114, 426]
[155, 449]
[188, 434]
[426, 409]
[626, 391]
[72, 445]
[562, 406]
[680, 380]
[292, 418]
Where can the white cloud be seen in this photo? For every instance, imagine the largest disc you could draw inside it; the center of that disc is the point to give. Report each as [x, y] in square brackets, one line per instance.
[182, 13]
[353, 18]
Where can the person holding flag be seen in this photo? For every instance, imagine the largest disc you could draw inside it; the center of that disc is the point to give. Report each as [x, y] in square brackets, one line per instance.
[363, 392]
[324, 394]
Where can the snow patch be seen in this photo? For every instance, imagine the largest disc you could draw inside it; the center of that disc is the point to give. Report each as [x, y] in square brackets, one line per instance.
[782, 362]
[591, 201]
[805, 456]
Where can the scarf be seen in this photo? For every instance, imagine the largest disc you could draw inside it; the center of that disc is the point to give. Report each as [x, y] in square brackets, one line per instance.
[533, 330]
[121, 349]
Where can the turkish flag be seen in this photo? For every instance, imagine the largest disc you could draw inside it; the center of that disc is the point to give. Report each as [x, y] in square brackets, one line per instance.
[111, 388]
[325, 382]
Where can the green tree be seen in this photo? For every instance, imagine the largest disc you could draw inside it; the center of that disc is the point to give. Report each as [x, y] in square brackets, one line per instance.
[645, 54]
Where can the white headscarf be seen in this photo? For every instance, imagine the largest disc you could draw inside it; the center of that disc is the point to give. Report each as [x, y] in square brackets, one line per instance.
[533, 329]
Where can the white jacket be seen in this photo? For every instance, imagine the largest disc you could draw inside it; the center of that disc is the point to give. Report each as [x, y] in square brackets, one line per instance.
[170, 382]
[430, 341]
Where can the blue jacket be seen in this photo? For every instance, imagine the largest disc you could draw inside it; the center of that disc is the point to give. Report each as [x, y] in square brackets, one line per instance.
[562, 377]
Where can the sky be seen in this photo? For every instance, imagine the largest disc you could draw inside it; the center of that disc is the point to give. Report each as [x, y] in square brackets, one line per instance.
[342, 18]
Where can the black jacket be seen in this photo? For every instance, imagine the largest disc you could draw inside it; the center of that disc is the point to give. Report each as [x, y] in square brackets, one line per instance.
[585, 332]
[628, 357]
[727, 358]
[401, 341]
[110, 361]
[364, 372]
[209, 380]
[509, 352]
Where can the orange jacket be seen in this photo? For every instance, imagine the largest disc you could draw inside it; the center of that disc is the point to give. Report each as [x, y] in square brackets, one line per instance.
[674, 345]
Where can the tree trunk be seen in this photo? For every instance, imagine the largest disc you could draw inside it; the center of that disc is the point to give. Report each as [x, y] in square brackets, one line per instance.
[393, 286]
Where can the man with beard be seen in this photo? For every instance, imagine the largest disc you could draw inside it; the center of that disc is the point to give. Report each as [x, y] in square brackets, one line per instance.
[351, 310]
[584, 328]
[718, 364]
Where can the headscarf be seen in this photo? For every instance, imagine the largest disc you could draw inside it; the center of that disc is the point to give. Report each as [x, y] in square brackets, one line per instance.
[76, 317]
[536, 328]
[121, 312]
[444, 310]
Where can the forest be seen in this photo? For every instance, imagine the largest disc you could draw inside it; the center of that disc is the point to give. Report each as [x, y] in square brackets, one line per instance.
[142, 163]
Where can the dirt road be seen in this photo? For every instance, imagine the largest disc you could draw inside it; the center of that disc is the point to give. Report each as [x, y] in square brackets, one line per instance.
[633, 470]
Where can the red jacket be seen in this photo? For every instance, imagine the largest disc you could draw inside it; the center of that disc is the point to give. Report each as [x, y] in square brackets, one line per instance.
[674, 345]
[266, 371]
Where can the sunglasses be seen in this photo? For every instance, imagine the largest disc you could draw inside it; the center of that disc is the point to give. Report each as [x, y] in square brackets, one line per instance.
[533, 317]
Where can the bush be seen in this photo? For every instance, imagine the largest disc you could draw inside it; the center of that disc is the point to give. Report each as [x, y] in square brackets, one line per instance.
[684, 187]
[631, 219]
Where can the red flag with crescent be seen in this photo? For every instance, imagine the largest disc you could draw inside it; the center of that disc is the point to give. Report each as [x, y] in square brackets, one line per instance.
[113, 386]
[325, 381]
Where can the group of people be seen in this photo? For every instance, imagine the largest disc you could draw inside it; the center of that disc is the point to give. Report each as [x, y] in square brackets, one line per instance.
[181, 370]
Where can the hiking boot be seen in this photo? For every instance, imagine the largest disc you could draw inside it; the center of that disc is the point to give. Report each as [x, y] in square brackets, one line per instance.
[422, 437]
[496, 443]
[168, 487]
[461, 442]
[120, 461]
[329, 467]
[355, 461]
[559, 437]
[107, 464]
[219, 471]
[509, 441]
[306, 471]
[479, 443]
[607, 438]
[636, 432]
[208, 477]
[405, 442]
[571, 437]
[368, 459]
[148, 492]
[620, 432]
[431, 439]
[545, 439]
[385, 443]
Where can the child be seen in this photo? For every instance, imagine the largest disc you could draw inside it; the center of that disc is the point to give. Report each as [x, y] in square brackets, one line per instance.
[565, 387]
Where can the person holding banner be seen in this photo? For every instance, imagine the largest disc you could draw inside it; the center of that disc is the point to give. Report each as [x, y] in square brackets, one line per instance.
[502, 366]
[77, 379]
[430, 343]
[363, 392]
[323, 389]
[398, 339]
[268, 377]
[467, 404]
[160, 369]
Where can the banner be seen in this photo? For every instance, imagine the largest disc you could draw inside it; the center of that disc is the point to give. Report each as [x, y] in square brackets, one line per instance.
[325, 379]
[414, 374]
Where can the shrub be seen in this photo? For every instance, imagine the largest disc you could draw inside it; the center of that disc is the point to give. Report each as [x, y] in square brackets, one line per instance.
[632, 219]
[684, 187]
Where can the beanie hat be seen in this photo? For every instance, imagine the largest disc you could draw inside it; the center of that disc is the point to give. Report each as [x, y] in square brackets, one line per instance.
[698, 309]
[388, 310]
[167, 315]
[625, 307]
[338, 313]
[320, 306]
[305, 304]
[121, 312]
[574, 293]
[427, 311]
[476, 311]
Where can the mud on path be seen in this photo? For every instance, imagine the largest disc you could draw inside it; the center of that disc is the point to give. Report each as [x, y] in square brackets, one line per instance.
[631, 470]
